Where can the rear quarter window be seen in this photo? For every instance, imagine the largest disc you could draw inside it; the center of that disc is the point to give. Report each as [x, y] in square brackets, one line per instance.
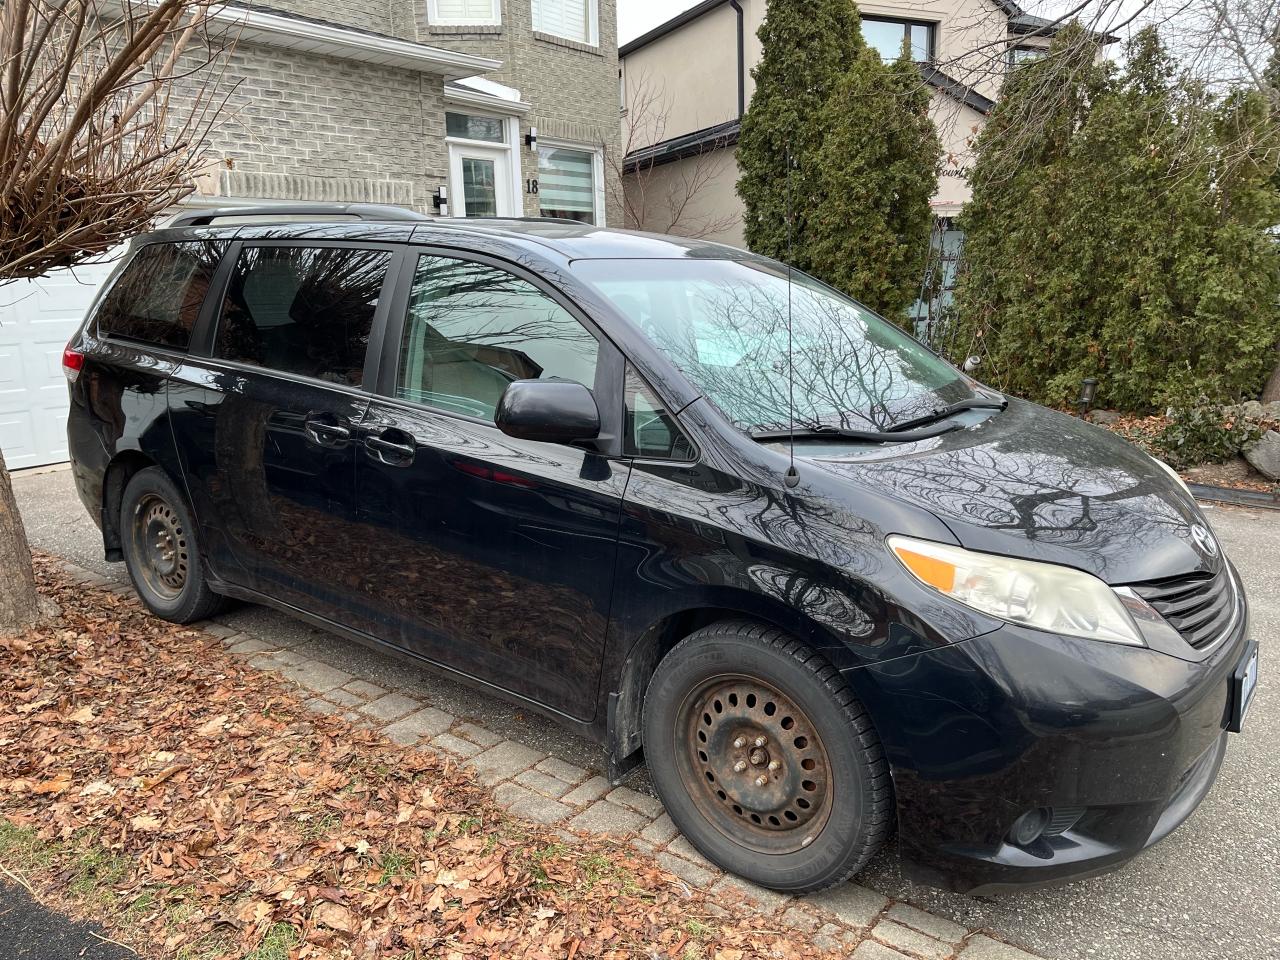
[158, 296]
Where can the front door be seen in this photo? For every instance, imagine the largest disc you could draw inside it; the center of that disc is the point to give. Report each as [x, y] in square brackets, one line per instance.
[480, 181]
[265, 427]
[497, 554]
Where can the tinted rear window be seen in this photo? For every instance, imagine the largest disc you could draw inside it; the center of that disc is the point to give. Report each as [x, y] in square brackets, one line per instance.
[303, 310]
[158, 296]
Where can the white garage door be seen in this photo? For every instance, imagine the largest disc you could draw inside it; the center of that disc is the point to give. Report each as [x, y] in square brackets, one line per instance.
[37, 318]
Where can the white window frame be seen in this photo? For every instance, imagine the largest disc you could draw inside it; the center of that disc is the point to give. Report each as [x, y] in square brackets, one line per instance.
[593, 25]
[511, 141]
[435, 20]
[597, 173]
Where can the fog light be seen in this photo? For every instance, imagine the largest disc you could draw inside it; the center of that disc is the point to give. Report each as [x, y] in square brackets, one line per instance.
[1029, 827]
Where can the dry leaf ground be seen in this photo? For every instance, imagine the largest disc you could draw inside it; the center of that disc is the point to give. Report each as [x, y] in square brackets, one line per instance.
[153, 782]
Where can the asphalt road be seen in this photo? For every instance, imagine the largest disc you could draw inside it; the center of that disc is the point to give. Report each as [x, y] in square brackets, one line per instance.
[1211, 890]
[29, 931]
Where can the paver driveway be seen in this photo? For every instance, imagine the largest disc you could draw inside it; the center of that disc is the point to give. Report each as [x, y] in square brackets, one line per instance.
[1212, 890]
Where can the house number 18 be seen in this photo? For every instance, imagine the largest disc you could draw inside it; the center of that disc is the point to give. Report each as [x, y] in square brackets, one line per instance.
[531, 185]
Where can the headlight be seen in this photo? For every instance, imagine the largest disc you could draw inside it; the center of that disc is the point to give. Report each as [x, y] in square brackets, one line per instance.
[1040, 595]
[1176, 476]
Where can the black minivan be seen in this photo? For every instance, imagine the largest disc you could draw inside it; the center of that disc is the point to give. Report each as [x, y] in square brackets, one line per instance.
[710, 512]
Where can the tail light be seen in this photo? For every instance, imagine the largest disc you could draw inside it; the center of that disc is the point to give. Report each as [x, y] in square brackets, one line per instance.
[72, 363]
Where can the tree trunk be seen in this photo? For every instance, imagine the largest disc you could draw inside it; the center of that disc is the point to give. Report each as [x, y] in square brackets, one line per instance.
[19, 602]
[1271, 392]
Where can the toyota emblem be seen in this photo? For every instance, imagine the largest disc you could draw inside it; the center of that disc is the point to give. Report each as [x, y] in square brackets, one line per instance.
[1204, 539]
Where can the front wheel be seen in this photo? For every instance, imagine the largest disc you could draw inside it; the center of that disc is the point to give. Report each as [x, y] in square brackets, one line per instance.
[161, 550]
[765, 759]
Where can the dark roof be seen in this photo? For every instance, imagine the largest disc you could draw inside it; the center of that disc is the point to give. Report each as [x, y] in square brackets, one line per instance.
[726, 134]
[686, 145]
[955, 89]
[568, 238]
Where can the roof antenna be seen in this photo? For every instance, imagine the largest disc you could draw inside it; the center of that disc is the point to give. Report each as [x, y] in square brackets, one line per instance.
[792, 477]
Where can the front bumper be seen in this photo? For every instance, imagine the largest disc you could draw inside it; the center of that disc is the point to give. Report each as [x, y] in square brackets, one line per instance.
[1127, 741]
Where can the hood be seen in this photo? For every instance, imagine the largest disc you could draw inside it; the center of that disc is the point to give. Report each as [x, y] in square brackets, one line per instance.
[1033, 483]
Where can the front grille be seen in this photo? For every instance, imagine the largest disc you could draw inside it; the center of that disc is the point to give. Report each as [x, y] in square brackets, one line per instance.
[1199, 605]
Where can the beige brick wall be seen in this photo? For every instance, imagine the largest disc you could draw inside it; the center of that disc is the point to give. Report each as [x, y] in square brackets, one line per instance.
[306, 127]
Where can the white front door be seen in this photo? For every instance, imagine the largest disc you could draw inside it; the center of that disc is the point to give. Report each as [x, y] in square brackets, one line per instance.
[480, 181]
[37, 318]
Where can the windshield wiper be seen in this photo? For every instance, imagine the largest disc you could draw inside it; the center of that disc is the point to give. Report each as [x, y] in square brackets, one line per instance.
[941, 413]
[873, 436]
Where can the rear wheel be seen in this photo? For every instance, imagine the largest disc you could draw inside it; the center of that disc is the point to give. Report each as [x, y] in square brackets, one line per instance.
[161, 551]
[765, 759]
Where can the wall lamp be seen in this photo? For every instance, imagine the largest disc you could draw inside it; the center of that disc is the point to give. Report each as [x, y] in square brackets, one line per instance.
[531, 139]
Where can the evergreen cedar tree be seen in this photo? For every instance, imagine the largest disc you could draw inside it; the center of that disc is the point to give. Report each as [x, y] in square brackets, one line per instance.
[865, 156]
[1120, 229]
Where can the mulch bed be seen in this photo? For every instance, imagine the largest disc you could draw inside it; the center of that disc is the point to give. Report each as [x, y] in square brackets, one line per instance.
[155, 783]
[1235, 474]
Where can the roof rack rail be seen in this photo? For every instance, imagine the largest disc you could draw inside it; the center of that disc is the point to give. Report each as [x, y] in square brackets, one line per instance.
[313, 211]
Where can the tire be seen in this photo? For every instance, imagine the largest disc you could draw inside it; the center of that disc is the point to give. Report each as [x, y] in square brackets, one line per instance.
[827, 802]
[161, 549]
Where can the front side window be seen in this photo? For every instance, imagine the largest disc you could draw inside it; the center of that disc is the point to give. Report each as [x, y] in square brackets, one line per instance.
[158, 296]
[886, 36]
[303, 310]
[723, 323]
[571, 19]
[567, 186]
[451, 13]
[651, 431]
[472, 329]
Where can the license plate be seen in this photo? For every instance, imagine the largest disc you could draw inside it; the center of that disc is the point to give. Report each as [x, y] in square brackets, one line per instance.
[1244, 683]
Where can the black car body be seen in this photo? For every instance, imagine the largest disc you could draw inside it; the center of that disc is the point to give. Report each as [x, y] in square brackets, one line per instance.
[561, 574]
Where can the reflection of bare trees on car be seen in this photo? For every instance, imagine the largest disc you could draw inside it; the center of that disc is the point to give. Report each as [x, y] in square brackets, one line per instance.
[756, 341]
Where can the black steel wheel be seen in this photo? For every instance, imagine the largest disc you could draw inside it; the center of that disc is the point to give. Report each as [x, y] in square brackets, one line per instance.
[161, 551]
[755, 765]
[765, 759]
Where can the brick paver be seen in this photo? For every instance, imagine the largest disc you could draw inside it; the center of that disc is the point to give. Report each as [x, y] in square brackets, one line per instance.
[851, 919]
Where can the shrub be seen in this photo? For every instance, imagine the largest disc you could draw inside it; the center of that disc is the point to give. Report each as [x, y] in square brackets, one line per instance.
[1119, 229]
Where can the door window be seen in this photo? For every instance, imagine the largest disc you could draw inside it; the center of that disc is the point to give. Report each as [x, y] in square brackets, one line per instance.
[472, 329]
[479, 187]
[158, 296]
[303, 310]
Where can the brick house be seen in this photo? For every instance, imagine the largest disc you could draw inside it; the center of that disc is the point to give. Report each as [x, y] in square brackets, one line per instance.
[494, 107]
[509, 105]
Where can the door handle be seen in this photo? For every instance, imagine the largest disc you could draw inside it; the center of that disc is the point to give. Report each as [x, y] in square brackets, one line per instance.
[392, 452]
[326, 429]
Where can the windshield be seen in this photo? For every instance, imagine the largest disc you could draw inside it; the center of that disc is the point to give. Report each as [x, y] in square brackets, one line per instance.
[724, 325]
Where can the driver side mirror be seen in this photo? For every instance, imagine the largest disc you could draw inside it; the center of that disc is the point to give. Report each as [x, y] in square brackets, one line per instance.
[553, 411]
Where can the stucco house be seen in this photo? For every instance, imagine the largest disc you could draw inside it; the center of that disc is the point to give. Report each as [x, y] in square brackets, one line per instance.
[691, 79]
[455, 107]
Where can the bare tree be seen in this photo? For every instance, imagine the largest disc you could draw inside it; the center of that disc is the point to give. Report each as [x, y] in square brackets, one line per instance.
[665, 196]
[103, 110]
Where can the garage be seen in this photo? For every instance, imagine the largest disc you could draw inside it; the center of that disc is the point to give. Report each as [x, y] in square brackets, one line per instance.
[37, 318]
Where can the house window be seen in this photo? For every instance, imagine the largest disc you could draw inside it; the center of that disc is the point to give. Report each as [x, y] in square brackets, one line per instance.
[1019, 55]
[468, 126]
[454, 13]
[886, 36]
[570, 184]
[572, 19]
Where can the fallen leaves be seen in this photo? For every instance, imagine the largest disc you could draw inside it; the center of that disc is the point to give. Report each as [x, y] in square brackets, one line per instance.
[233, 818]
